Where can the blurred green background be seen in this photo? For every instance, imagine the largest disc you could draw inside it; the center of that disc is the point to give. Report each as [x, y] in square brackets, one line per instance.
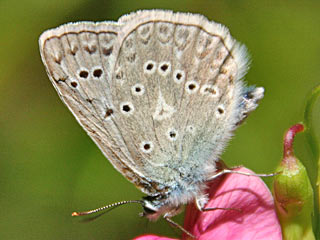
[48, 165]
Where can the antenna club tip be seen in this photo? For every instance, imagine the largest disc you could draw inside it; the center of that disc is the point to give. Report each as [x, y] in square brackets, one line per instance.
[75, 214]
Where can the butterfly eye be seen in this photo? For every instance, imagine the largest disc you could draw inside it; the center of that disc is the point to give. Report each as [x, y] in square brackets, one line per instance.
[148, 211]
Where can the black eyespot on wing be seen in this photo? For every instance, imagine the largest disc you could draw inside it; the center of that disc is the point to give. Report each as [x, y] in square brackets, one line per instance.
[126, 108]
[83, 74]
[146, 146]
[138, 89]
[74, 84]
[220, 110]
[164, 67]
[191, 86]
[97, 73]
[149, 66]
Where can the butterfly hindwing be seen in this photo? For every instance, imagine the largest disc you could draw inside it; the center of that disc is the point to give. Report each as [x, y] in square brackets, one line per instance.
[189, 72]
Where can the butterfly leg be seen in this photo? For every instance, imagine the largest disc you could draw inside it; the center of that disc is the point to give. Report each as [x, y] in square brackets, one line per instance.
[174, 224]
[202, 200]
[231, 170]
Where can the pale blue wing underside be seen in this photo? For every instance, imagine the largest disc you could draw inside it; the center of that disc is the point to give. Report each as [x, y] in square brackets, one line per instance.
[160, 93]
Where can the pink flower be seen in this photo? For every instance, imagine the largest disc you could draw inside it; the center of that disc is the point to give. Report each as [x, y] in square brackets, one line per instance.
[255, 217]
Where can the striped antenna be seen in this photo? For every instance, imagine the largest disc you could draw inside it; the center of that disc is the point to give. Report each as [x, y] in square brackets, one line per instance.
[117, 204]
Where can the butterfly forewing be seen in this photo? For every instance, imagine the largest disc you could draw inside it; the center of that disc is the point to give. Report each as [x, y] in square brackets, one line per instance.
[79, 60]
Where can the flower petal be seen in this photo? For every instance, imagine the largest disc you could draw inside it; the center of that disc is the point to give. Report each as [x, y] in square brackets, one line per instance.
[255, 218]
[152, 237]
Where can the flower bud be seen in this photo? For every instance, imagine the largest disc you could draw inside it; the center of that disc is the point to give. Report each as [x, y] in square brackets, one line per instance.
[293, 193]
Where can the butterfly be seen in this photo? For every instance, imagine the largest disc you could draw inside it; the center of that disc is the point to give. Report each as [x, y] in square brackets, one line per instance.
[160, 93]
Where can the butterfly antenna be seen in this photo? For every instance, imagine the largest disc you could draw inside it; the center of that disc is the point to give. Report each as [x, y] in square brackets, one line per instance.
[117, 204]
